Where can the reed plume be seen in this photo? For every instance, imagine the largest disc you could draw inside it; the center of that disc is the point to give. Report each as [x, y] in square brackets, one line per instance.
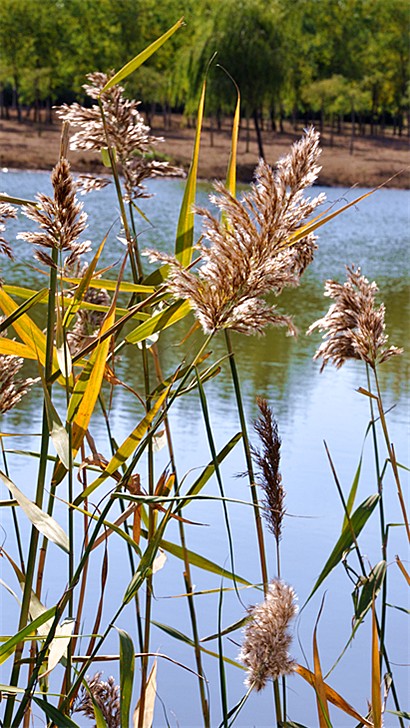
[249, 252]
[266, 638]
[354, 326]
[61, 219]
[107, 696]
[11, 388]
[267, 460]
[123, 128]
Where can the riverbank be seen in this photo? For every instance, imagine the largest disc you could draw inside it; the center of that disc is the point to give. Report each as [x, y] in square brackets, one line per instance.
[373, 161]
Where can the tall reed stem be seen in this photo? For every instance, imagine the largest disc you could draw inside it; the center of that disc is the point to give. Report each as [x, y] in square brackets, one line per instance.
[254, 495]
[41, 479]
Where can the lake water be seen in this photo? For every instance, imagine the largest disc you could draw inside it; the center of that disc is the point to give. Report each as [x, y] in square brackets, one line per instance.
[310, 407]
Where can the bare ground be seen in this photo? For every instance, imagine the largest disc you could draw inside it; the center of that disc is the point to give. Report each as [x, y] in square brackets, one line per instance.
[374, 160]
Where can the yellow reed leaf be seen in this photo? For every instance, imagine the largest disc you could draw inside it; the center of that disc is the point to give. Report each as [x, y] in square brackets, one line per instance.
[376, 692]
[332, 696]
[403, 570]
[8, 347]
[150, 695]
[322, 707]
[88, 386]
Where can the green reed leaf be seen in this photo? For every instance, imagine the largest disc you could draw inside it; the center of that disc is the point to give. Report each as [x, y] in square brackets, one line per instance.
[40, 520]
[17, 200]
[201, 562]
[127, 663]
[159, 321]
[61, 720]
[23, 308]
[208, 472]
[357, 522]
[142, 57]
[370, 589]
[185, 229]
[29, 630]
[172, 632]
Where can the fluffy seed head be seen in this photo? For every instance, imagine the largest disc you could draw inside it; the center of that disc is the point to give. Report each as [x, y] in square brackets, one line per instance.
[60, 219]
[354, 326]
[250, 252]
[266, 638]
[124, 130]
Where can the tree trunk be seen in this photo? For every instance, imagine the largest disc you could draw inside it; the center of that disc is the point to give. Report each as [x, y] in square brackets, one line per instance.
[211, 130]
[258, 134]
[353, 131]
[248, 134]
[272, 118]
[16, 99]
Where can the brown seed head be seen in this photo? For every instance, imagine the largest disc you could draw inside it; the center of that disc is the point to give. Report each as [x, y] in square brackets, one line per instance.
[124, 130]
[268, 460]
[248, 253]
[60, 219]
[354, 326]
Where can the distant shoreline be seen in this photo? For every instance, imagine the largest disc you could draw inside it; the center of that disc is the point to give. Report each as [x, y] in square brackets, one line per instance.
[374, 161]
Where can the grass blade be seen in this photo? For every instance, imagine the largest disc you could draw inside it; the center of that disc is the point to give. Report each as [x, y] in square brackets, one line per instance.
[322, 708]
[28, 631]
[127, 448]
[332, 696]
[185, 229]
[142, 57]
[126, 675]
[201, 562]
[58, 718]
[376, 678]
[23, 308]
[159, 321]
[150, 695]
[371, 587]
[346, 540]
[40, 520]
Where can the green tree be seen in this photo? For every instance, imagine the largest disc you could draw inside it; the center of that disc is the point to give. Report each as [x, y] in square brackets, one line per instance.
[245, 34]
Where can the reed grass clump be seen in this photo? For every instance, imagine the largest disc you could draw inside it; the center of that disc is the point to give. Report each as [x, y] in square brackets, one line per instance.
[113, 488]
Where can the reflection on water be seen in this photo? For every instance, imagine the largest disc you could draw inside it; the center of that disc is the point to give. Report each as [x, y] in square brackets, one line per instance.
[309, 406]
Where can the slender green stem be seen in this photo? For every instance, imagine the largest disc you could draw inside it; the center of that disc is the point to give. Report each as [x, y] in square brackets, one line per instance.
[212, 448]
[392, 456]
[41, 479]
[249, 464]
[187, 567]
[151, 530]
[383, 533]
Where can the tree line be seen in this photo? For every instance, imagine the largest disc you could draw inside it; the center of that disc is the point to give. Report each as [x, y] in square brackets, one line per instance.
[332, 60]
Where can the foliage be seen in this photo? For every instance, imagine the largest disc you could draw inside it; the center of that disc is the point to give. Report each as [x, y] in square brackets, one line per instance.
[274, 51]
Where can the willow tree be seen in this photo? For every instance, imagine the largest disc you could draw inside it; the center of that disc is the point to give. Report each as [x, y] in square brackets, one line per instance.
[245, 35]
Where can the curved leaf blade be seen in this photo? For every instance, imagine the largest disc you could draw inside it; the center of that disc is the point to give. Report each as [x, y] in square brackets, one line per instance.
[349, 532]
[142, 57]
[41, 520]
